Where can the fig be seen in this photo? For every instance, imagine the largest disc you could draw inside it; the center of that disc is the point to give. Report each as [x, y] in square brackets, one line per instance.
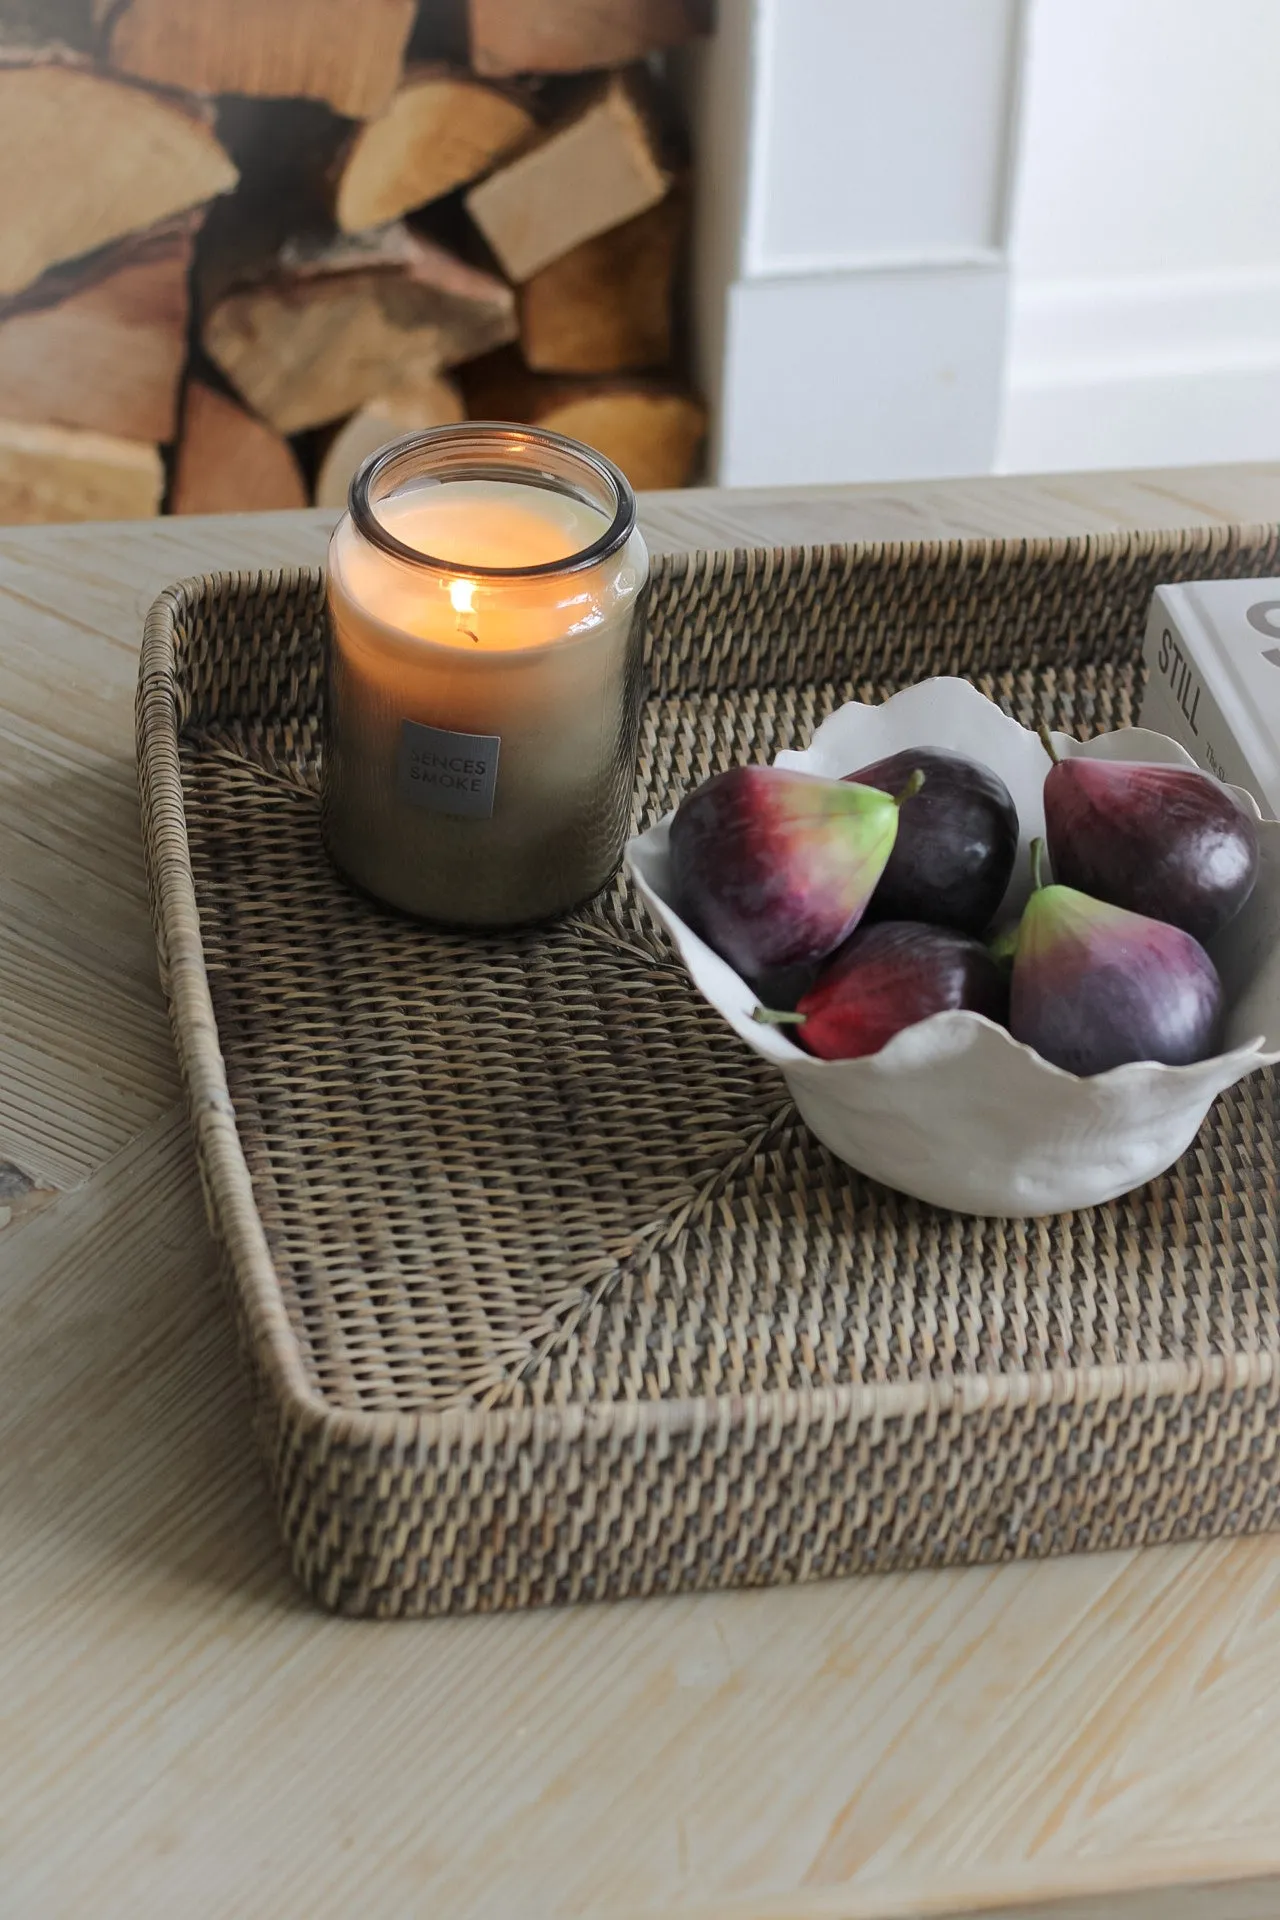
[774, 868]
[1095, 985]
[956, 845]
[1003, 944]
[1169, 842]
[888, 976]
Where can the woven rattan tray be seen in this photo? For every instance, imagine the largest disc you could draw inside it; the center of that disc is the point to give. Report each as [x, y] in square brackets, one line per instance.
[545, 1291]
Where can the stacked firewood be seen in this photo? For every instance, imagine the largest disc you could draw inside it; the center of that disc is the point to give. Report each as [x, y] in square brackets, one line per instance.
[243, 242]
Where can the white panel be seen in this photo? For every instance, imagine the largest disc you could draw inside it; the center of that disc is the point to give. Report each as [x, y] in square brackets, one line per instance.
[866, 376]
[1150, 137]
[880, 130]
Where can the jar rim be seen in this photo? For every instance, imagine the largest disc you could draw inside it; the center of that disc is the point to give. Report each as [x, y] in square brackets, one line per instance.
[513, 438]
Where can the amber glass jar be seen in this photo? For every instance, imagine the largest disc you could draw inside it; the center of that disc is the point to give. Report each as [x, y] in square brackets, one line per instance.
[486, 609]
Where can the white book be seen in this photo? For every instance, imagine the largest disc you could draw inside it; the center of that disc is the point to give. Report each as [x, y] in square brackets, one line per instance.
[1212, 654]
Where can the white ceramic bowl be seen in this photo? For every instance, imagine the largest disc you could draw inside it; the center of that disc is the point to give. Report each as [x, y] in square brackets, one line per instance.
[955, 1110]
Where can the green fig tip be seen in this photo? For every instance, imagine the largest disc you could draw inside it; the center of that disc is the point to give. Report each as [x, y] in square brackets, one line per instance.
[770, 1017]
[1037, 866]
[1046, 741]
[1003, 945]
[914, 783]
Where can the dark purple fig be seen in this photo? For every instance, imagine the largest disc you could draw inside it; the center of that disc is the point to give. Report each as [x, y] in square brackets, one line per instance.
[774, 868]
[957, 840]
[1095, 985]
[1170, 842]
[887, 977]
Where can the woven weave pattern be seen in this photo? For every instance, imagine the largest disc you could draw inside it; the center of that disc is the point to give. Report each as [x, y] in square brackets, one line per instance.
[529, 1194]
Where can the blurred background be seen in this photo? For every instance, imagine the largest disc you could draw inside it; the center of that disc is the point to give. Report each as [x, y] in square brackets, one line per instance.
[243, 242]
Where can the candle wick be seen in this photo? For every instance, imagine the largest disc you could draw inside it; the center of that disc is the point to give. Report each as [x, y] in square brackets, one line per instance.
[470, 636]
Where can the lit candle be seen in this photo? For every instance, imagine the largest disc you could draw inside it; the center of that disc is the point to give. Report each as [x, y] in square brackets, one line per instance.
[486, 593]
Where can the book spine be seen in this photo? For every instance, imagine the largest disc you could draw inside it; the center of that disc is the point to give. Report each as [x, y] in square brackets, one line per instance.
[1179, 700]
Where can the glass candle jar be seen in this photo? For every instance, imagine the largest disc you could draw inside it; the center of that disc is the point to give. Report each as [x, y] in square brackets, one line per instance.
[486, 613]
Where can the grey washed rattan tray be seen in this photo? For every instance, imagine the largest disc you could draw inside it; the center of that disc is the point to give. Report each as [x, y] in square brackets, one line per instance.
[545, 1291]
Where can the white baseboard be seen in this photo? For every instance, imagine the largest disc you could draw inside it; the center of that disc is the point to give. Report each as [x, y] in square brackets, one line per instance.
[884, 374]
[1170, 370]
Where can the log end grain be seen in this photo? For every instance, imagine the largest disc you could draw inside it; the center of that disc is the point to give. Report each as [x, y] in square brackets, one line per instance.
[348, 53]
[60, 473]
[597, 168]
[228, 462]
[110, 159]
[606, 306]
[570, 36]
[434, 404]
[440, 131]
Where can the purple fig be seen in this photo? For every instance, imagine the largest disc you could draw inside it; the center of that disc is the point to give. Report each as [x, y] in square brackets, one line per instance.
[1095, 985]
[774, 868]
[1170, 842]
[889, 976]
[956, 845]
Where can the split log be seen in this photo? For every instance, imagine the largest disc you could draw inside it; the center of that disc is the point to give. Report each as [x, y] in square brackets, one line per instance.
[85, 159]
[590, 172]
[569, 36]
[59, 473]
[101, 344]
[349, 53]
[606, 307]
[650, 429]
[378, 421]
[337, 326]
[441, 130]
[654, 434]
[228, 462]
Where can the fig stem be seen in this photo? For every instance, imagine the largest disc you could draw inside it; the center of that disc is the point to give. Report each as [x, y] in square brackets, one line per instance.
[1046, 741]
[1037, 866]
[914, 783]
[768, 1017]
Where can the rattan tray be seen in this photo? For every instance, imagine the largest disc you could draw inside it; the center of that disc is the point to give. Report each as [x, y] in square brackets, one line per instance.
[545, 1291]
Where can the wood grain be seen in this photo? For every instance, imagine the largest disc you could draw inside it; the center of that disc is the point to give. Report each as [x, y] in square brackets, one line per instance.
[433, 402]
[440, 130]
[607, 306]
[372, 312]
[568, 36]
[63, 473]
[648, 427]
[349, 53]
[101, 344]
[596, 168]
[182, 1735]
[228, 462]
[110, 160]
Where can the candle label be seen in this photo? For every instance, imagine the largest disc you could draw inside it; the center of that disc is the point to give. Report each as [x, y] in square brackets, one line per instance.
[447, 772]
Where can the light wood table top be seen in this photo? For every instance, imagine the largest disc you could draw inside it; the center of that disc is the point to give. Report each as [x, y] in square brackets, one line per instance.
[181, 1735]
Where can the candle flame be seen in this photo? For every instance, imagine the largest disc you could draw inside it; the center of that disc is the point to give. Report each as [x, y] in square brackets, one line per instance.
[462, 593]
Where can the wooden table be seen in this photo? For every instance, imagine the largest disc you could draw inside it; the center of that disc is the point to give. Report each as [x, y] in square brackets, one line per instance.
[181, 1736]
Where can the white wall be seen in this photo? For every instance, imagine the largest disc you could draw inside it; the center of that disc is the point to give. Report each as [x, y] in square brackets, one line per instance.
[1145, 240]
[942, 236]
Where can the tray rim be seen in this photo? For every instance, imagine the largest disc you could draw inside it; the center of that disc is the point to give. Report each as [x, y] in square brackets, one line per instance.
[224, 1173]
